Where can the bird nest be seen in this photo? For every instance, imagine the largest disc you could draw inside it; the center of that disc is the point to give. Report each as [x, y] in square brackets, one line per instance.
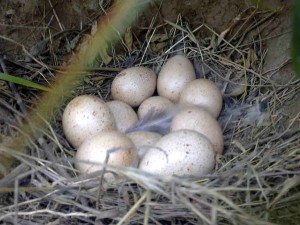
[256, 180]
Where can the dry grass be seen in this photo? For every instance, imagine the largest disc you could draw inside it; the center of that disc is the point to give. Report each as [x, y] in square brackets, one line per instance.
[256, 181]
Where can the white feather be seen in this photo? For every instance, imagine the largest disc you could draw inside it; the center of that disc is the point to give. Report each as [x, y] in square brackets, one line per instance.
[155, 122]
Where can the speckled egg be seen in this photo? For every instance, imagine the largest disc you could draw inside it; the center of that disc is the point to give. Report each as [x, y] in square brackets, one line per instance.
[134, 85]
[144, 138]
[181, 153]
[86, 116]
[204, 93]
[177, 72]
[123, 113]
[198, 119]
[156, 104]
[93, 152]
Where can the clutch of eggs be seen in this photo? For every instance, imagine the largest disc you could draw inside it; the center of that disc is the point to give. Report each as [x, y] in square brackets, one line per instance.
[97, 128]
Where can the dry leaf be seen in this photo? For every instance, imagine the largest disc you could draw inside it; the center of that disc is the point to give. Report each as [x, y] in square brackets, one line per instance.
[226, 61]
[156, 47]
[104, 56]
[237, 86]
[251, 58]
[159, 38]
[229, 28]
[235, 90]
[158, 42]
[222, 36]
[128, 38]
[247, 63]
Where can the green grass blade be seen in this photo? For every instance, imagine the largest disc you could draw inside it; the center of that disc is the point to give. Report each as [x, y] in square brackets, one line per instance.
[21, 81]
[296, 37]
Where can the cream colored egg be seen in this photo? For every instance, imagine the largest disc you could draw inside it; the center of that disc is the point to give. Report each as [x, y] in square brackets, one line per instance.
[143, 141]
[174, 76]
[123, 113]
[198, 119]
[144, 138]
[93, 152]
[156, 104]
[134, 85]
[86, 116]
[181, 153]
[204, 93]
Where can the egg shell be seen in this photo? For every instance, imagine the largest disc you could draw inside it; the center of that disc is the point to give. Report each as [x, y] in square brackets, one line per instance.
[95, 149]
[134, 85]
[146, 138]
[198, 119]
[123, 113]
[181, 153]
[86, 116]
[204, 93]
[143, 141]
[177, 72]
[158, 104]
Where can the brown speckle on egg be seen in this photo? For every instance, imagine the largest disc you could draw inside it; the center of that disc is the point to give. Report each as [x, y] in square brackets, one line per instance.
[134, 85]
[181, 153]
[85, 116]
